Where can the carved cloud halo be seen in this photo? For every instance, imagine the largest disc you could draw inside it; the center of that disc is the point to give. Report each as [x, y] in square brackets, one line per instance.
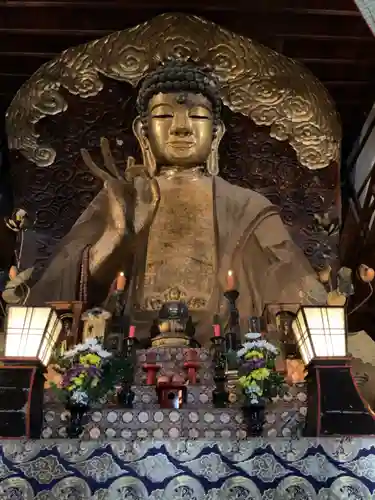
[267, 87]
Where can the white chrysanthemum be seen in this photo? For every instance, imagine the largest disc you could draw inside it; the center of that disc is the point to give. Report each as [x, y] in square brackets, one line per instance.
[257, 344]
[91, 345]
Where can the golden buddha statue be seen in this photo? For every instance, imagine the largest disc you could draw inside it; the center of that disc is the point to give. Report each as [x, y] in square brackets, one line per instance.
[173, 225]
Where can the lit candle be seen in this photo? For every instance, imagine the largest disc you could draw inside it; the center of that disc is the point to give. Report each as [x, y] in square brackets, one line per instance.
[131, 332]
[121, 282]
[216, 330]
[230, 280]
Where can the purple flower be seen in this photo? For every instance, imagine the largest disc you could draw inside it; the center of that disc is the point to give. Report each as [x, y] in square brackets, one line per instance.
[76, 370]
[249, 366]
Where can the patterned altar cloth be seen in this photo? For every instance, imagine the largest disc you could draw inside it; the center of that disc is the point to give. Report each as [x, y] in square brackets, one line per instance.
[257, 469]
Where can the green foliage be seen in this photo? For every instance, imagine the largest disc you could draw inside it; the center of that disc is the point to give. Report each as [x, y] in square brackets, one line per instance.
[116, 371]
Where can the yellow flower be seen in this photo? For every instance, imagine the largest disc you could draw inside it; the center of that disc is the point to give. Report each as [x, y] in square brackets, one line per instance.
[244, 381]
[77, 381]
[90, 359]
[260, 373]
[254, 354]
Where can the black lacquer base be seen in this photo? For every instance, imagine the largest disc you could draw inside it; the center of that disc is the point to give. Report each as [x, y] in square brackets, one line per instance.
[335, 407]
[126, 395]
[255, 418]
[75, 425]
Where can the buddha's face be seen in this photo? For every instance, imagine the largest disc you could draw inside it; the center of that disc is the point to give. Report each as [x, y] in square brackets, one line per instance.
[180, 128]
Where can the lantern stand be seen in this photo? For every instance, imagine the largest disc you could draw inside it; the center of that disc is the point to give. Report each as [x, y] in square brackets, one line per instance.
[30, 336]
[21, 397]
[334, 404]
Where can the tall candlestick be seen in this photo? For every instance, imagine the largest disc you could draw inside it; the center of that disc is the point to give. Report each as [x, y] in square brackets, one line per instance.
[121, 282]
[216, 330]
[131, 332]
[230, 280]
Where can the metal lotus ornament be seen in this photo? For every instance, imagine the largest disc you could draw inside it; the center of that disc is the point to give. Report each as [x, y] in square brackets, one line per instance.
[366, 273]
[16, 290]
[344, 285]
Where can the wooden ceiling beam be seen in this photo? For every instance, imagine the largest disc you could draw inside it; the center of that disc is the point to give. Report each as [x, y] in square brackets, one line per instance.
[129, 5]
[320, 12]
[361, 49]
[341, 93]
[100, 22]
[340, 72]
[348, 83]
[333, 6]
[326, 38]
[55, 41]
[365, 63]
[41, 42]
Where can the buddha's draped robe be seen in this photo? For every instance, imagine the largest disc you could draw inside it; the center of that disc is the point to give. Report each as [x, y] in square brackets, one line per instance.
[252, 241]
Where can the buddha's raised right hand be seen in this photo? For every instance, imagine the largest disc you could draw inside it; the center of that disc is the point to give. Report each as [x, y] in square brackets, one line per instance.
[131, 207]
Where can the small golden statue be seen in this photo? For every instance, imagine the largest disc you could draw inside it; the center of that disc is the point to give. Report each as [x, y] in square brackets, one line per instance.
[172, 325]
[173, 223]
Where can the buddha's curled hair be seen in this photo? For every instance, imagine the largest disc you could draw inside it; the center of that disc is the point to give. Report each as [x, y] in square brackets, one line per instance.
[179, 76]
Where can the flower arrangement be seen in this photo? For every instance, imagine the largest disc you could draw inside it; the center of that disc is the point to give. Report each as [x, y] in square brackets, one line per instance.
[258, 377]
[88, 374]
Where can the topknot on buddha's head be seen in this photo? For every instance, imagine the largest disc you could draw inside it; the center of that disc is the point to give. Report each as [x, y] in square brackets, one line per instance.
[179, 76]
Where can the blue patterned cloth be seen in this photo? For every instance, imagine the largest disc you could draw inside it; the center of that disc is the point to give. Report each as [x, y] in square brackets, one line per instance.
[258, 469]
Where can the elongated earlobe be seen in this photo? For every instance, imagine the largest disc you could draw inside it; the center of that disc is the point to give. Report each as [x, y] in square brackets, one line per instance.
[148, 157]
[212, 164]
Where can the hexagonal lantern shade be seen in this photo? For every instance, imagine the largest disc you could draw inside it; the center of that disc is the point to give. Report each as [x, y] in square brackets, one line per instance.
[31, 332]
[320, 332]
